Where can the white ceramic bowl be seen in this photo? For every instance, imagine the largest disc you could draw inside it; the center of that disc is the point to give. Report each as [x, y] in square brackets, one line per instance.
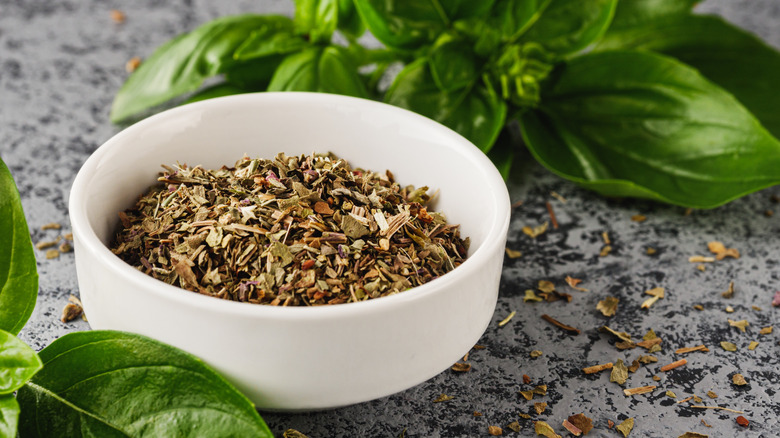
[304, 357]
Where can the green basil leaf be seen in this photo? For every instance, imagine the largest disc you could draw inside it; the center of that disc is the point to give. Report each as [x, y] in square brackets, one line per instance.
[254, 74]
[504, 150]
[180, 65]
[18, 363]
[18, 271]
[316, 18]
[640, 124]
[407, 25]
[262, 43]
[106, 383]
[9, 416]
[453, 65]
[475, 112]
[349, 22]
[630, 13]
[322, 69]
[513, 17]
[568, 26]
[734, 59]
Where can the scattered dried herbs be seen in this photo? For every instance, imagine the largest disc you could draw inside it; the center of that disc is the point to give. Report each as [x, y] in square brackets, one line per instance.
[574, 430]
[291, 231]
[526, 379]
[551, 212]
[581, 422]
[673, 365]
[117, 16]
[461, 367]
[608, 306]
[729, 309]
[597, 368]
[657, 293]
[540, 407]
[530, 295]
[728, 346]
[648, 359]
[766, 330]
[571, 330]
[573, 282]
[742, 421]
[721, 251]
[558, 197]
[718, 408]
[671, 394]
[605, 251]
[52, 254]
[711, 394]
[738, 379]
[741, 324]
[692, 349]
[619, 373]
[634, 366]
[626, 426]
[535, 353]
[512, 254]
[514, 426]
[729, 292]
[698, 307]
[701, 259]
[495, 431]
[292, 433]
[638, 218]
[51, 226]
[72, 310]
[442, 398]
[535, 231]
[650, 251]
[639, 390]
[693, 435]
[544, 429]
[506, 320]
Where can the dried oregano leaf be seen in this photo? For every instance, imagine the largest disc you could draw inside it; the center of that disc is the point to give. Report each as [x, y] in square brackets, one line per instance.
[693, 435]
[741, 324]
[608, 306]
[626, 426]
[582, 423]
[544, 429]
[728, 346]
[619, 372]
[739, 380]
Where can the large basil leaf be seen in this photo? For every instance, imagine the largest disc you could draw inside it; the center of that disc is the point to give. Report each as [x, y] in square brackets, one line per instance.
[18, 271]
[106, 384]
[632, 13]
[641, 124]
[453, 65]
[407, 25]
[475, 112]
[18, 363]
[513, 17]
[265, 43]
[316, 18]
[181, 65]
[323, 69]
[732, 58]
[568, 26]
[9, 416]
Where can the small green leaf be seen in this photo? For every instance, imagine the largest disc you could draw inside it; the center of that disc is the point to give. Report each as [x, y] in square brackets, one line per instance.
[349, 21]
[316, 18]
[254, 74]
[18, 363]
[181, 65]
[18, 271]
[323, 69]
[644, 125]
[513, 17]
[407, 25]
[106, 384]
[732, 58]
[631, 13]
[475, 112]
[453, 65]
[568, 26]
[9, 416]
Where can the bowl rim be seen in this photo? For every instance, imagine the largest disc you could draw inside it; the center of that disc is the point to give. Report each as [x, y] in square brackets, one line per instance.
[86, 236]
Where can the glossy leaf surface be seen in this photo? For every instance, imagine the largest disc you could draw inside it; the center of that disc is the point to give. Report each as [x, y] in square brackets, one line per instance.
[18, 363]
[568, 26]
[322, 69]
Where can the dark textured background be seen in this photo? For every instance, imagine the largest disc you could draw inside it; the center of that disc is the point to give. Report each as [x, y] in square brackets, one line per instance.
[62, 61]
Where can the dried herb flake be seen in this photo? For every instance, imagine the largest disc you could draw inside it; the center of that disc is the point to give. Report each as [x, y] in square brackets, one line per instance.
[626, 426]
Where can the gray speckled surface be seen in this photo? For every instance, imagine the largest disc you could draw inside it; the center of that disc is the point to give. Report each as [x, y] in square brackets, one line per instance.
[61, 63]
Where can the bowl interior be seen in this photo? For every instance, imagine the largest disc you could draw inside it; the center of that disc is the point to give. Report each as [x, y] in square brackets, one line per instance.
[367, 134]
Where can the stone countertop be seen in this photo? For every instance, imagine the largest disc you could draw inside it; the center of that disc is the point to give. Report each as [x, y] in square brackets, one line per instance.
[62, 62]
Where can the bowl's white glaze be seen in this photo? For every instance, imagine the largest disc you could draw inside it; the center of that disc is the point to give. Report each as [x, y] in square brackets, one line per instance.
[298, 358]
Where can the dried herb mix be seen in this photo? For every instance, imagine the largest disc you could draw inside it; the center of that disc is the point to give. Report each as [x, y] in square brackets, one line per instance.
[291, 231]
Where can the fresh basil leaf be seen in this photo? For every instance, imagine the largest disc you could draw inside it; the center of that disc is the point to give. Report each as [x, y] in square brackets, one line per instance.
[18, 271]
[475, 112]
[630, 13]
[105, 383]
[181, 65]
[734, 59]
[349, 22]
[254, 74]
[453, 65]
[407, 25]
[568, 26]
[323, 69]
[645, 125]
[18, 363]
[513, 17]
[9, 416]
[316, 18]
[504, 150]
[262, 43]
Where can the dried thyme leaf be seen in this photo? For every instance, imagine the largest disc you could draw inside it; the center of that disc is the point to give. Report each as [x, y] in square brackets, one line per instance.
[648, 359]
[573, 282]
[650, 251]
[523, 415]
[514, 426]
[495, 431]
[52, 254]
[528, 395]
[506, 320]
[741, 325]
[623, 336]
[634, 366]
[671, 394]
[729, 292]
[545, 430]
[605, 251]
[698, 307]
[697, 399]
[46, 244]
[766, 330]
[292, 433]
[581, 422]
[626, 426]
[546, 286]
[738, 379]
[461, 367]
[605, 237]
[711, 394]
[535, 231]
[540, 407]
[535, 353]
[442, 398]
[531, 296]
[540, 390]
[693, 435]
[512, 254]
[619, 373]
[608, 306]
[721, 251]
[728, 346]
